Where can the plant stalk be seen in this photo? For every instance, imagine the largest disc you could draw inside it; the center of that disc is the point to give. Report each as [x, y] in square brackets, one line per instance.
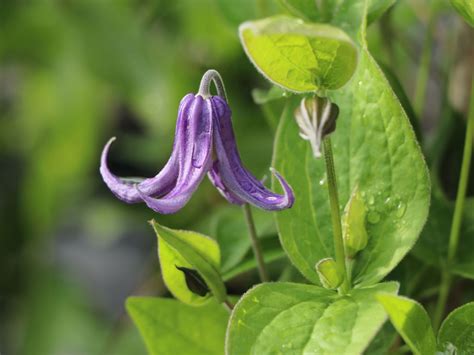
[424, 69]
[335, 214]
[257, 251]
[458, 211]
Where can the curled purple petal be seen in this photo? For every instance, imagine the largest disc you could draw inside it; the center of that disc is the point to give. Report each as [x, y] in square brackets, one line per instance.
[126, 189]
[233, 175]
[194, 157]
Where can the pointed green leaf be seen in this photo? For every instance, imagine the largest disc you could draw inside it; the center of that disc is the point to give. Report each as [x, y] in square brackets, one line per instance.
[275, 318]
[457, 330]
[190, 250]
[411, 321]
[376, 149]
[298, 56]
[170, 327]
[465, 8]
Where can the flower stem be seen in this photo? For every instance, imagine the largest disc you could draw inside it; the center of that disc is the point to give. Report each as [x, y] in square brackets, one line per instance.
[212, 76]
[257, 251]
[335, 214]
[458, 211]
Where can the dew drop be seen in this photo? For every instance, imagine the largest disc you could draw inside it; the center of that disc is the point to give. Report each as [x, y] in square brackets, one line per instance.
[360, 83]
[373, 217]
[371, 200]
[401, 208]
[322, 181]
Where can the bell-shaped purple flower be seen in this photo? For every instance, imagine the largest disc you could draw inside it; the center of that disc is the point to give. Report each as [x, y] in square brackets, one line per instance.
[203, 127]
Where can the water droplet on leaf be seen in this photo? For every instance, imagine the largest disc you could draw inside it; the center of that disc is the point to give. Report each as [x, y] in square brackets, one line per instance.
[373, 217]
[401, 208]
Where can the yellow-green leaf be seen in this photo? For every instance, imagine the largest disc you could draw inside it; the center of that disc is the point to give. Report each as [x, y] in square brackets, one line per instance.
[298, 56]
[191, 250]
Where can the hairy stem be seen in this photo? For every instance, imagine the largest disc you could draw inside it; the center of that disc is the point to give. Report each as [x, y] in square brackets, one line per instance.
[212, 76]
[458, 211]
[335, 214]
[257, 251]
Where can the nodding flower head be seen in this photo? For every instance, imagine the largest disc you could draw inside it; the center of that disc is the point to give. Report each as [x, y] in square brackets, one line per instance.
[316, 118]
[204, 144]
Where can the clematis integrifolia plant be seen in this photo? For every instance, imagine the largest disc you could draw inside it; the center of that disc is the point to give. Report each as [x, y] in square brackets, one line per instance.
[204, 144]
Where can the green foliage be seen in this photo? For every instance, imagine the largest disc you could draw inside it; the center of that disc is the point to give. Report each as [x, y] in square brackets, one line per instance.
[295, 318]
[390, 172]
[431, 248]
[465, 8]
[170, 327]
[322, 57]
[229, 229]
[326, 11]
[411, 321]
[190, 250]
[457, 331]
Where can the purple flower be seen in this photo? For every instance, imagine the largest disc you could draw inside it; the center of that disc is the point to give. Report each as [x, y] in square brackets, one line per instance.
[204, 144]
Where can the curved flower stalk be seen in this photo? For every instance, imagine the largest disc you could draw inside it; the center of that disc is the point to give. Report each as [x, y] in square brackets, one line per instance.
[204, 144]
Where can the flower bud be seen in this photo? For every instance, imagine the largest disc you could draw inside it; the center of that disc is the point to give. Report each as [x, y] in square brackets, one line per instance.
[329, 273]
[353, 225]
[316, 118]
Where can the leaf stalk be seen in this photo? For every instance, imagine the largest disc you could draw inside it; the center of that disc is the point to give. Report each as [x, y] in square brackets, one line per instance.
[340, 256]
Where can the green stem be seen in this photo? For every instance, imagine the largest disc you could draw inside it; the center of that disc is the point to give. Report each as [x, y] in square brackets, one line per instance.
[424, 69]
[257, 251]
[444, 287]
[335, 213]
[458, 212]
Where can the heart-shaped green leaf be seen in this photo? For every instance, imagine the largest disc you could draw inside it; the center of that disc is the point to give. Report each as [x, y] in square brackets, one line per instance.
[298, 56]
[275, 318]
[179, 251]
[165, 325]
[411, 321]
[457, 330]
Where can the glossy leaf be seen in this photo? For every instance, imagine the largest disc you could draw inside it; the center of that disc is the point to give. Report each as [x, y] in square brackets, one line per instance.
[190, 250]
[465, 8]
[294, 318]
[457, 330]
[170, 327]
[411, 321]
[322, 56]
[376, 149]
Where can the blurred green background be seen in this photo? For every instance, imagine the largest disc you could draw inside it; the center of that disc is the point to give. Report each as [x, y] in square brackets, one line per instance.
[75, 73]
